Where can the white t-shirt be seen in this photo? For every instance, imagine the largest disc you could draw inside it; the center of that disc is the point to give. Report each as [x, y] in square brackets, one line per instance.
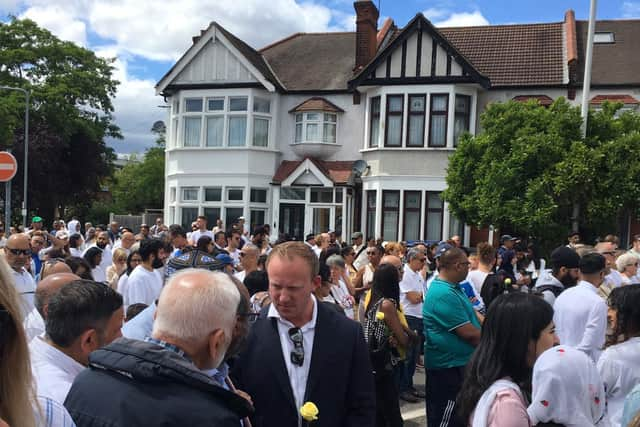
[26, 287]
[143, 286]
[122, 289]
[235, 255]
[477, 278]
[240, 275]
[196, 235]
[99, 275]
[340, 294]
[412, 281]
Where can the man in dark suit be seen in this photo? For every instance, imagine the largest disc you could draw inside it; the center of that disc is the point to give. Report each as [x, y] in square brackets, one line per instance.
[300, 350]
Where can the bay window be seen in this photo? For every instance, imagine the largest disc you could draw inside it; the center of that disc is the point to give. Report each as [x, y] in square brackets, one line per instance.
[415, 132]
[315, 126]
[395, 107]
[462, 117]
[374, 122]
[438, 120]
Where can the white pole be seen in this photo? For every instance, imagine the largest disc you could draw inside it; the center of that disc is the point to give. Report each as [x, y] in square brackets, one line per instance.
[587, 67]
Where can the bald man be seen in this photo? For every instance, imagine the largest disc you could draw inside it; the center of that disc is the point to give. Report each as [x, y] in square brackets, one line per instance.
[55, 279]
[53, 266]
[18, 254]
[125, 242]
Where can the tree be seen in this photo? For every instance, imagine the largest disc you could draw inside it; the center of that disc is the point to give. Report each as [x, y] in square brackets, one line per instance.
[140, 185]
[70, 116]
[530, 165]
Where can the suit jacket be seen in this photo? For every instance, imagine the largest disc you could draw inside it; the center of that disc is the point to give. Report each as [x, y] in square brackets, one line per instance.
[340, 380]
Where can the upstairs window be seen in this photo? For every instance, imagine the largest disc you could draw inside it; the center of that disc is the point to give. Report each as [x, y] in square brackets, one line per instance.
[415, 132]
[462, 117]
[374, 122]
[604, 38]
[315, 126]
[395, 107]
[438, 120]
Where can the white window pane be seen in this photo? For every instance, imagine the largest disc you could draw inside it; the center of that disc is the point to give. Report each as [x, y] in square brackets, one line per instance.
[434, 226]
[460, 125]
[374, 138]
[416, 103]
[215, 131]
[313, 132]
[438, 131]
[213, 194]
[192, 131]
[416, 130]
[412, 226]
[260, 132]
[261, 105]
[391, 199]
[395, 103]
[394, 131]
[313, 116]
[193, 105]
[298, 117]
[375, 105]
[298, 133]
[329, 133]
[462, 104]
[215, 104]
[237, 131]
[412, 200]
[439, 102]
[190, 194]
[238, 104]
[434, 201]
[390, 226]
[329, 117]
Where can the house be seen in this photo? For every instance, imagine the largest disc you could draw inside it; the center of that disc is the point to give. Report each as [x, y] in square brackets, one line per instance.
[353, 130]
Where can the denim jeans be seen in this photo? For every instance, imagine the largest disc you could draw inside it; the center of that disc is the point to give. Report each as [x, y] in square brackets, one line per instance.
[413, 352]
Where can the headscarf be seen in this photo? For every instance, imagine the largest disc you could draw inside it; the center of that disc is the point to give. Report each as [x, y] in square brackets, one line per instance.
[566, 389]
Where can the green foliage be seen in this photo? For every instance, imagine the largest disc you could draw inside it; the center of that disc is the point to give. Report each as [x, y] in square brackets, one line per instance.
[140, 185]
[70, 115]
[529, 166]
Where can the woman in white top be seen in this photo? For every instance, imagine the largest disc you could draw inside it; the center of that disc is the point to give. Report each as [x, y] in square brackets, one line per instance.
[118, 266]
[339, 289]
[486, 262]
[133, 260]
[94, 257]
[627, 265]
[619, 364]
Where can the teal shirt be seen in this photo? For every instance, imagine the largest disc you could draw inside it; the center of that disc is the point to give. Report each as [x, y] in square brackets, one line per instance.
[446, 307]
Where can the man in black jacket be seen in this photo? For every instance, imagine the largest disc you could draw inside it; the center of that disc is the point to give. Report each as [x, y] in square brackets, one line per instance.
[300, 351]
[171, 378]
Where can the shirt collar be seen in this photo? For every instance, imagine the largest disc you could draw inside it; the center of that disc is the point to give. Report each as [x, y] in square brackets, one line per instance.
[169, 347]
[588, 285]
[273, 313]
[56, 357]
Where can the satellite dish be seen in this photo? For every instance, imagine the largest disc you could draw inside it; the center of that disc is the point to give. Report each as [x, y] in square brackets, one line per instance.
[359, 167]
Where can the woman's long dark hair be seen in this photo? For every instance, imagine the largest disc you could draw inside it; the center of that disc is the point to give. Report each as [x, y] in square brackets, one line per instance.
[385, 284]
[203, 244]
[512, 322]
[626, 301]
[129, 266]
[91, 254]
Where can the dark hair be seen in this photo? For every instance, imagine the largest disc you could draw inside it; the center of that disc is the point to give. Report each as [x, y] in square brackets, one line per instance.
[74, 240]
[385, 284]
[176, 230]
[535, 253]
[346, 251]
[203, 218]
[262, 261]
[626, 301]
[129, 267]
[150, 247]
[217, 235]
[513, 320]
[75, 263]
[326, 253]
[78, 306]
[90, 256]
[233, 231]
[203, 243]
[134, 309]
[256, 281]
[592, 263]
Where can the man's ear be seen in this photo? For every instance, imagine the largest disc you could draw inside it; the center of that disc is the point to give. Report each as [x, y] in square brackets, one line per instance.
[317, 281]
[216, 343]
[89, 342]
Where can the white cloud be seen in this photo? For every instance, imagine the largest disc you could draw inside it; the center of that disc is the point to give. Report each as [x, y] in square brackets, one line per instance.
[57, 20]
[463, 19]
[631, 9]
[435, 13]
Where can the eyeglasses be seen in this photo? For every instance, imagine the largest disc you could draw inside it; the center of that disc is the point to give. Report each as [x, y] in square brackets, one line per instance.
[251, 316]
[17, 252]
[297, 354]
[371, 253]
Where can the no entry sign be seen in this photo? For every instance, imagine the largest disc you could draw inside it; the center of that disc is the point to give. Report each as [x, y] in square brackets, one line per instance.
[8, 166]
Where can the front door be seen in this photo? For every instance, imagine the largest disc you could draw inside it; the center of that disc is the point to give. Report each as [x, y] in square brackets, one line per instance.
[292, 220]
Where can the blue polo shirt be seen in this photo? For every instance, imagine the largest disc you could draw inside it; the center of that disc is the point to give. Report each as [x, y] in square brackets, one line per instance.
[446, 307]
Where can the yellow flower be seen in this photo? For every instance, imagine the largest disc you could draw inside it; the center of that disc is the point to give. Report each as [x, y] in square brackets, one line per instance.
[309, 411]
[380, 315]
[507, 281]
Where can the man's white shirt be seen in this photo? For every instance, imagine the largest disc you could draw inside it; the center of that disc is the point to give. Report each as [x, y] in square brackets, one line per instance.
[412, 281]
[143, 286]
[297, 374]
[580, 317]
[26, 287]
[53, 371]
[196, 235]
[33, 324]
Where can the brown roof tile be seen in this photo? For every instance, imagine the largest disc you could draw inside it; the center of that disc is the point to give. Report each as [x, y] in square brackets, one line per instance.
[613, 63]
[317, 103]
[319, 61]
[513, 55]
[337, 171]
[542, 99]
[625, 99]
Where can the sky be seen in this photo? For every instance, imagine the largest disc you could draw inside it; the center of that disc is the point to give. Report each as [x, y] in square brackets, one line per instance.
[147, 37]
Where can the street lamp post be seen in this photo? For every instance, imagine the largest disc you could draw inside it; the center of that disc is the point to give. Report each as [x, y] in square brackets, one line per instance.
[26, 150]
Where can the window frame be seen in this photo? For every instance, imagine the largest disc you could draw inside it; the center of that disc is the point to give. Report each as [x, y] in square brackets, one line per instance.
[189, 187]
[406, 209]
[370, 226]
[385, 209]
[204, 194]
[429, 209]
[229, 199]
[372, 117]
[389, 113]
[412, 114]
[438, 113]
[321, 123]
[466, 115]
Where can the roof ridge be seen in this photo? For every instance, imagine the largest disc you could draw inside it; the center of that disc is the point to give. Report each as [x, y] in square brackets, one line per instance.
[302, 33]
[533, 24]
[611, 20]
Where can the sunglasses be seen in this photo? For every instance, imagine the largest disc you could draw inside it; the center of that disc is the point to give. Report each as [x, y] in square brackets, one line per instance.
[17, 252]
[297, 354]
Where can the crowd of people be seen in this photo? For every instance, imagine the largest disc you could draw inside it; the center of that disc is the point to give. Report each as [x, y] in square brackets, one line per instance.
[110, 326]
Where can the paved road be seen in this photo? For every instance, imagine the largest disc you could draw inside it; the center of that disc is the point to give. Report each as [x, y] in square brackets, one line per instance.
[414, 414]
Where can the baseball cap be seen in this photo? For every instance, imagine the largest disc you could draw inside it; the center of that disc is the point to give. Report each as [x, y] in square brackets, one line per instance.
[563, 256]
[224, 259]
[36, 219]
[506, 237]
[357, 235]
[442, 248]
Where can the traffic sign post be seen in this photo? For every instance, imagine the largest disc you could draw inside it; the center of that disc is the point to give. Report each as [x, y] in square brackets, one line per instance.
[8, 169]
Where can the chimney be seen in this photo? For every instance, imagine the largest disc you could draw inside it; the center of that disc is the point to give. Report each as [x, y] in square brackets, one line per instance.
[366, 32]
[571, 47]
